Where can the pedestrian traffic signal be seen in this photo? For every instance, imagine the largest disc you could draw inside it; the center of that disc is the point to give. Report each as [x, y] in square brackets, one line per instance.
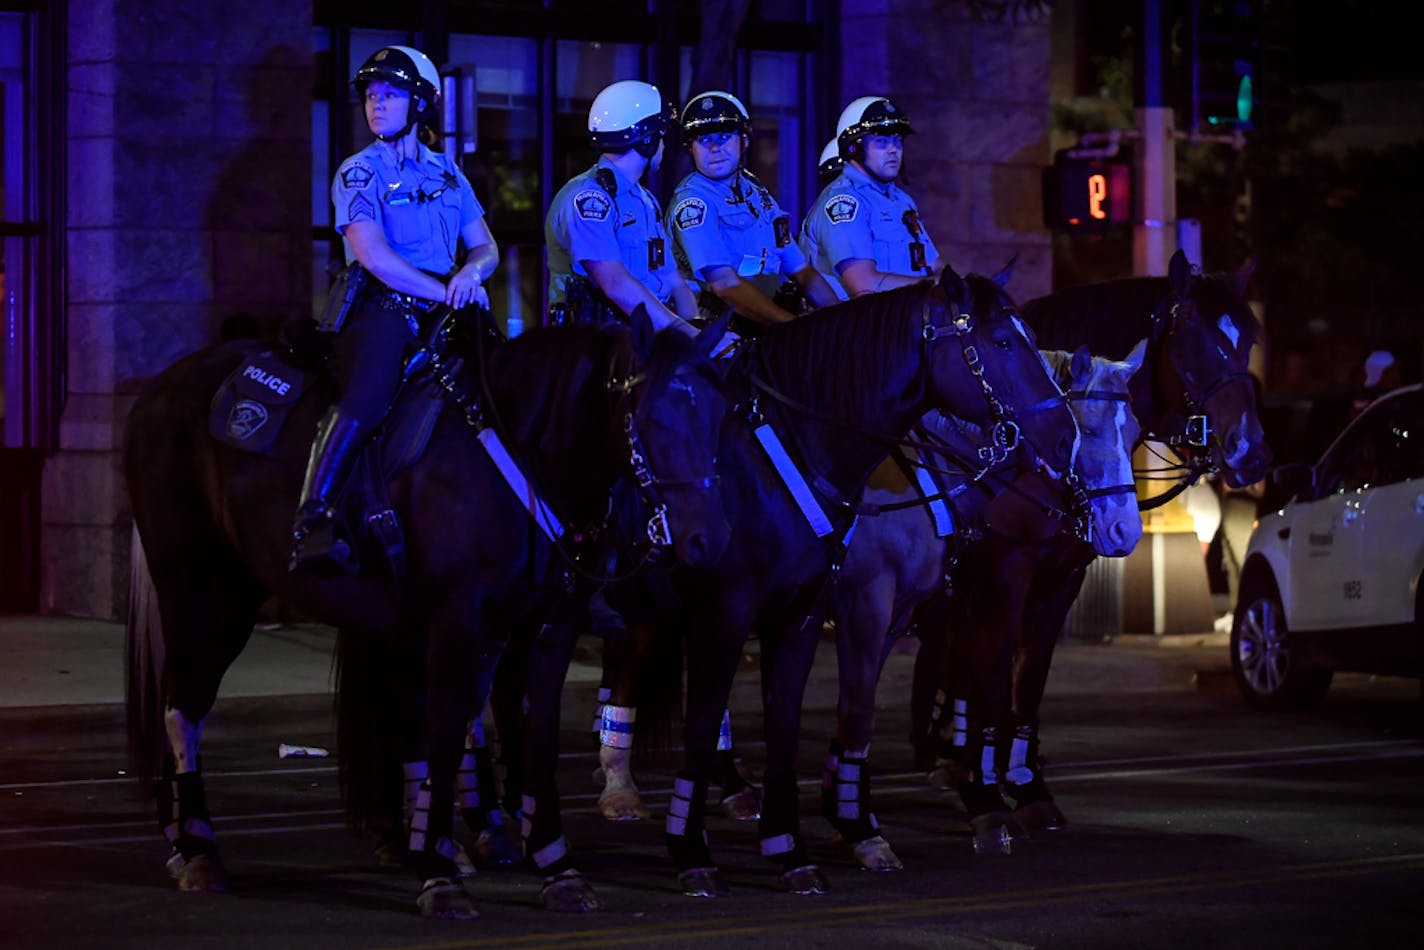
[1225, 62]
[1086, 194]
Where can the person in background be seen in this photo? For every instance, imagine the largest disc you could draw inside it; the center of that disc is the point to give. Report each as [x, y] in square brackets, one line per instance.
[409, 219]
[607, 248]
[1381, 376]
[828, 168]
[868, 229]
[729, 233]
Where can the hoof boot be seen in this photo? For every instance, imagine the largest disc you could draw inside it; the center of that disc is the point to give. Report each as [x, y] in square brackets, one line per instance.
[875, 854]
[992, 833]
[443, 898]
[805, 880]
[569, 892]
[702, 882]
[1040, 816]
[744, 805]
[205, 873]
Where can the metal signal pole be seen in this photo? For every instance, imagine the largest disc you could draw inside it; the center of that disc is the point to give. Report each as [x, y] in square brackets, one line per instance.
[1155, 219]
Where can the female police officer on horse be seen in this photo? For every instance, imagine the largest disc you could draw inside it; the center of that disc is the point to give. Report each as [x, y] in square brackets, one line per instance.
[403, 211]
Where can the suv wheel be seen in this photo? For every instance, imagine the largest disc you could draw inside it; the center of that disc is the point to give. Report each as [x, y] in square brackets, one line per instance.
[1261, 661]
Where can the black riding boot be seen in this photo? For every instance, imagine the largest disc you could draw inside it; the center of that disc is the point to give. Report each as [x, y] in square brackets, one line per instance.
[333, 454]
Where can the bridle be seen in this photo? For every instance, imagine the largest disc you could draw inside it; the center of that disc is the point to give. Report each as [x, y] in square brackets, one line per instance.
[1082, 497]
[624, 385]
[1196, 440]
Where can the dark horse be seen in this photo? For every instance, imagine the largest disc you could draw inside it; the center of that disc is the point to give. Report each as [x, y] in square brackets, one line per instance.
[577, 408]
[1194, 394]
[828, 396]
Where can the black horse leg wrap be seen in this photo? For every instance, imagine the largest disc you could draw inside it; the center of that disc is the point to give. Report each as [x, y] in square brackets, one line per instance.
[195, 827]
[853, 817]
[780, 834]
[543, 831]
[685, 830]
[980, 793]
[165, 794]
[828, 780]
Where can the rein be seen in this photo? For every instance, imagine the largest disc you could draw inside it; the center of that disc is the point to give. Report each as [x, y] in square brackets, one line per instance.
[657, 533]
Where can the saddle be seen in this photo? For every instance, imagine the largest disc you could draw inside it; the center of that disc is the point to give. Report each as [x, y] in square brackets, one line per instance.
[256, 400]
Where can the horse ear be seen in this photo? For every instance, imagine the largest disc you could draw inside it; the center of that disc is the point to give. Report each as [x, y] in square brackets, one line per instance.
[1006, 272]
[1134, 359]
[643, 332]
[1179, 274]
[1241, 277]
[711, 335]
[1082, 364]
[953, 285]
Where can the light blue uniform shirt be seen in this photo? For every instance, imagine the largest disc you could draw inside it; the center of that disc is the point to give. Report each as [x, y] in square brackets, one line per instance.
[588, 222]
[732, 223]
[422, 204]
[857, 217]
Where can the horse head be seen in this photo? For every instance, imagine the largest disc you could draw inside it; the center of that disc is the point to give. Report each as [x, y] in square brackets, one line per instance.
[1207, 388]
[1007, 388]
[1097, 390]
[676, 411]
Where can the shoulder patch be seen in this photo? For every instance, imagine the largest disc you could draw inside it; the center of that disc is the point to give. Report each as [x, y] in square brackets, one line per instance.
[689, 213]
[360, 209]
[592, 204]
[357, 175]
[842, 208]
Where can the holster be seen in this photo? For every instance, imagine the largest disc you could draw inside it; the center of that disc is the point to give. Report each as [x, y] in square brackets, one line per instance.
[346, 293]
[584, 303]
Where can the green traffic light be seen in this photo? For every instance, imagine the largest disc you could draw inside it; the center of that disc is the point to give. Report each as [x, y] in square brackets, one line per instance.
[1244, 99]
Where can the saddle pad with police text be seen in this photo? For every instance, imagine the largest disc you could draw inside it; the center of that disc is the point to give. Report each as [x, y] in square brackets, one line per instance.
[251, 406]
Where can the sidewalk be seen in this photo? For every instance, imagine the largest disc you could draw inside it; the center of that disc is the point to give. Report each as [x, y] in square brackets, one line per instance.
[63, 661]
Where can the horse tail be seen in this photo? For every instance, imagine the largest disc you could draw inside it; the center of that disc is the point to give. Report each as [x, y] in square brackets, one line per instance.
[658, 693]
[143, 667]
[368, 735]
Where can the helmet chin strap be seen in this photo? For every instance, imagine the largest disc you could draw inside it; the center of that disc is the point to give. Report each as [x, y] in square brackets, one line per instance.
[412, 116]
[649, 146]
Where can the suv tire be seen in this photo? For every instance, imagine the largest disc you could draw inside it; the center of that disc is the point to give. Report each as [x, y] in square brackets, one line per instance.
[1261, 660]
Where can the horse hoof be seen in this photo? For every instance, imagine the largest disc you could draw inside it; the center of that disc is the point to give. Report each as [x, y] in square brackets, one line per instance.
[444, 899]
[947, 775]
[622, 805]
[805, 880]
[493, 847]
[703, 882]
[174, 864]
[570, 893]
[1040, 816]
[874, 854]
[992, 834]
[204, 872]
[744, 805]
[456, 853]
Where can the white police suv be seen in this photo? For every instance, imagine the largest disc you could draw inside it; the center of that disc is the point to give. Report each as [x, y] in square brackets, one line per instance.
[1331, 581]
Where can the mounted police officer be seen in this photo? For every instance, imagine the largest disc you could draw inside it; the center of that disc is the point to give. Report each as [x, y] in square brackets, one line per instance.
[604, 232]
[828, 168]
[728, 231]
[867, 230]
[403, 212]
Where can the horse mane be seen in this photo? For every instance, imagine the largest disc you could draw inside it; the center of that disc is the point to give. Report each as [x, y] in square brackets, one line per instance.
[548, 398]
[804, 356]
[1111, 316]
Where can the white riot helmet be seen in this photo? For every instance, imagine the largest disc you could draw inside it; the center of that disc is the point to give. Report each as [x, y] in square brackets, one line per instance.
[629, 115]
[405, 68]
[829, 165]
[868, 115]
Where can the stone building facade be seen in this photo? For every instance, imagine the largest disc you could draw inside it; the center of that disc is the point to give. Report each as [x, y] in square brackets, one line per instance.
[189, 199]
[189, 180]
